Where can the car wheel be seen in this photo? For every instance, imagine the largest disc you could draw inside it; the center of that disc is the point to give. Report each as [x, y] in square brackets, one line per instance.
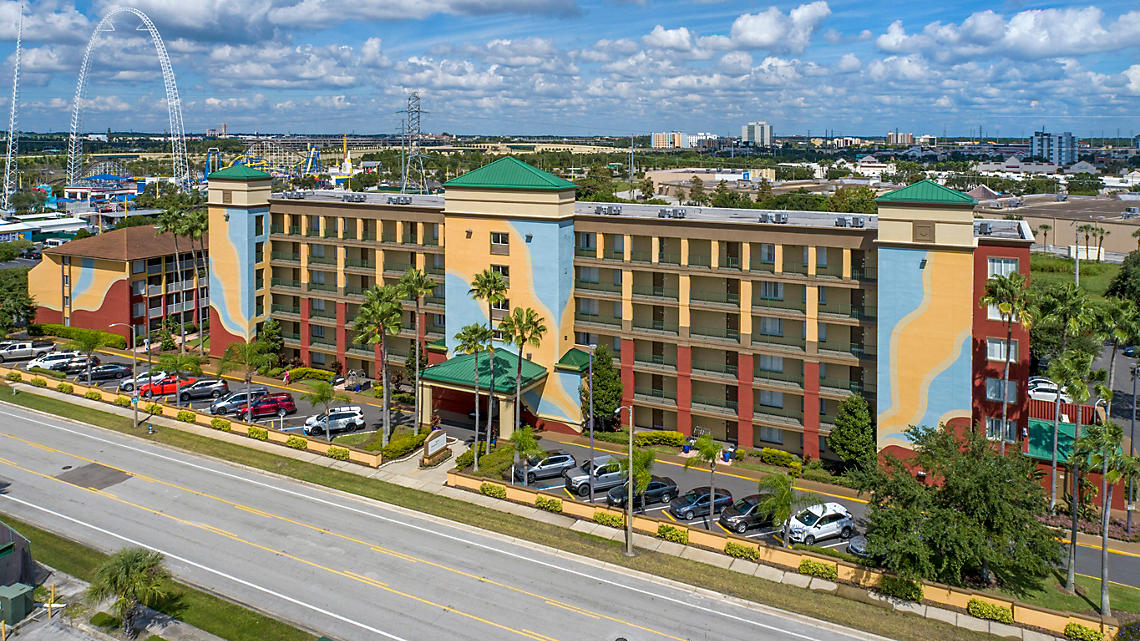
[126, 388]
[666, 497]
[809, 540]
[687, 514]
[184, 397]
[280, 413]
[530, 479]
[584, 490]
[149, 393]
[215, 394]
[741, 527]
[846, 533]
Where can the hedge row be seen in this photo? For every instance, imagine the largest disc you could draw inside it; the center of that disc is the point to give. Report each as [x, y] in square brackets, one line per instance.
[548, 503]
[986, 610]
[307, 373]
[73, 333]
[674, 534]
[609, 520]
[900, 588]
[819, 569]
[402, 444]
[1080, 632]
[493, 490]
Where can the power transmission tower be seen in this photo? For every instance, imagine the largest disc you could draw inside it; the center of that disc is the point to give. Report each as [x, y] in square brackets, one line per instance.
[10, 167]
[413, 157]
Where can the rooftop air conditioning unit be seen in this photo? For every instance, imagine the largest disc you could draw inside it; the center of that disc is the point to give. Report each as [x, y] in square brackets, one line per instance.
[664, 213]
[763, 217]
[857, 221]
[985, 229]
[840, 221]
[780, 218]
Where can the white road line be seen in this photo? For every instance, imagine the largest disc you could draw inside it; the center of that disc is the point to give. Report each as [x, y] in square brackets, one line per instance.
[230, 577]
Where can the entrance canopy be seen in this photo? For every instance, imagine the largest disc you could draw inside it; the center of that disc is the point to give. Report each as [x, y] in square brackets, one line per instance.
[459, 372]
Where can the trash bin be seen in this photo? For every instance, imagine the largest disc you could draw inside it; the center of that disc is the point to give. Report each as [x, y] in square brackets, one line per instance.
[686, 448]
[15, 602]
[726, 455]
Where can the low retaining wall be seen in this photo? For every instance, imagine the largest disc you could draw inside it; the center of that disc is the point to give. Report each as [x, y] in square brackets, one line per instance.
[935, 595]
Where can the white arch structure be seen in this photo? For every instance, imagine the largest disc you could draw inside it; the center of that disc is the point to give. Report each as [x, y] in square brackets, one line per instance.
[173, 103]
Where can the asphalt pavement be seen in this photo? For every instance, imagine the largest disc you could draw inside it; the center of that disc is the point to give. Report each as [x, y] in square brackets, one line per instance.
[344, 566]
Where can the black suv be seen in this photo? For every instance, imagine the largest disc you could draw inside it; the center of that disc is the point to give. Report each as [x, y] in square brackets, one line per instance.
[660, 490]
[230, 403]
[205, 388]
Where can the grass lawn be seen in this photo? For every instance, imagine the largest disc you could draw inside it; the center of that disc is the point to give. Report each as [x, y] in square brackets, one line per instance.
[194, 343]
[1095, 277]
[886, 622]
[1120, 597]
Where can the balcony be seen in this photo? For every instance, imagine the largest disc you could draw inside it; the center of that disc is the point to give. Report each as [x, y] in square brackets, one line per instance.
[656, 327]
[322, 260]
[795, 267]
[669, 258]
[730, 262]
[761, 305]
[840, 348]
[583, 317]
[715, 405]
[321, 287]
[398, 268]
[653, 291]
[598, 287]
[434, 269]
[795, 343]
[368, 235]
[586, 252]
[778, 379]
[431, 241]
[847, 310]
[656, 360]
[711, 296]
[388, 239]
[763, 266]
[313, 233]
[719, 369]
[859, 387]
[614, 254]
[286, 257]
[285, 283]
[290, 336]
[329, 314]
[360, 263]
[356, 349]
[322, 341]
[353, 291]
[292, 310]
[700, 260]
[717, 333]
[655, 396]
[277, 229]
[640, 256]
[866, 274]
[154, 290]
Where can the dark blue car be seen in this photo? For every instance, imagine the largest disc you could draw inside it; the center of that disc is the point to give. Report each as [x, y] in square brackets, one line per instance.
[695, 502]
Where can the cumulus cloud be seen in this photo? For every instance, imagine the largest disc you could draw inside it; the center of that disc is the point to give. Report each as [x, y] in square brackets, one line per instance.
[773, 29]
[675, 39]
[847, 63]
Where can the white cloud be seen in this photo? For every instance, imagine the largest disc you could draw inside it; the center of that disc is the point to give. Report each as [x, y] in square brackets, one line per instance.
[847, 63]
[772, 29]
[674, 39]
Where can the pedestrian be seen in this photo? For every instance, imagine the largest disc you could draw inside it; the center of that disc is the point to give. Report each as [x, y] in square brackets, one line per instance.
[146, 343]
[286, 379]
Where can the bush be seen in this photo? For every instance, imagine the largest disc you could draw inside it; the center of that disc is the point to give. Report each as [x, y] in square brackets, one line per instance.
[741, 551]
[674, 534]
[818, 474]
[548, 503]
[337, 453]
[608, 520]
[61, 331]
[220, 424]
[671, 438]
[467, 459]
[93, 395]
[186, 416]
[780, 458]
[259, 433]
[402, 444]
[986, 610]
[620, 436]
[122, 401]
[738, 454]
[403, 397]
[14, 376]
[65, 388]
[492, 490]
[273, 372]
[38, 382]
[1082, 632]
[154, 408]
[297, 443]
[900, 588]
[104, 621]
[306, 373]
[820, 569]
[47, 372]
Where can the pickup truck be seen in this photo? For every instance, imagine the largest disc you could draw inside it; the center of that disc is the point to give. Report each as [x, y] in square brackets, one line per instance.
[25, 350]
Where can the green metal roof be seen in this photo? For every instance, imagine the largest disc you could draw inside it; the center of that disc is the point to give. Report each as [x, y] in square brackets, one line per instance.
[438, 345]
[460, 371]
[927, 192]
[575, 360]
[509, 172]
[238, 171]
[1041, 439]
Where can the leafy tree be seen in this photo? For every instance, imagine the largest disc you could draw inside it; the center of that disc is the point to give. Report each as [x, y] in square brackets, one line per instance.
[87, 343]
[780, 500]
[1136, 235]
[856, 200]
[763, 191]
[1084, 184]
[522, 327]
[697, 193]
[250, 357]
[323, 394]
[1126, 283]
[28, 201]
[979, 517]
[707, 452]
[171, 222]
[491, 287]
[801, 200]
[82, 233]
[134, 221]
[270, 334]
[853, 437]
[1008, 294]
[607, 388]
[476, 339]
[133, 577]
[525, 446]
[196, 225]
[379, 317]
[1043, 229]
[9, 251]
[178, 364]
[416, 284]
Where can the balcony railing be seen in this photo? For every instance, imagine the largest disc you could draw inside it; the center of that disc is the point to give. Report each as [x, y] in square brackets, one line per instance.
[729, 262]
[699, 260]
[322, 341]
[778, 303]
[716, 367]
[277, 229]
[762, 266]
[669, 258]
[285, 309]
[321, 287]
[597, 286]
[323, 313]
[368, 235]
[854, 349]
[656, 326]
[586, 252]
[433, 269]
[846, 384]
[288, 257]
[312, 233]
[390, 266]
[795, 267]
[290, 336]
[670, 293]
[322, 260]
[360, 263]
[865, 274]
[285, 282]
[725, 333]
[847, 310]
[716, 404]
[594, 318]
[712, 296]
[656, 359]
[641, 256]
[769, 339]
[655, 394]
[761, 375]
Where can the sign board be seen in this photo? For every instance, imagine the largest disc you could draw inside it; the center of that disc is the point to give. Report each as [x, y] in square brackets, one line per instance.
[747, 176]
[434, 443]
[134, 399]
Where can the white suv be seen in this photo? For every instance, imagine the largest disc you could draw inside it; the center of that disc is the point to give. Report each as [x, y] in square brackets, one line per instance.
[53, 360]
[339, 419]
[821, 521]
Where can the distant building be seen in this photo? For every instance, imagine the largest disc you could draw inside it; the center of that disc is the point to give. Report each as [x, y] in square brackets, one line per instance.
[1015, 165]
[1082, 167]
[669, 140]
[926, 140]
[1058, 149]
[758, 134]
[694, 141]
[899, 138]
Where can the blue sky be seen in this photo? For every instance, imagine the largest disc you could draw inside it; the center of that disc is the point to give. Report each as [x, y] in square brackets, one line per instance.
[579, 67]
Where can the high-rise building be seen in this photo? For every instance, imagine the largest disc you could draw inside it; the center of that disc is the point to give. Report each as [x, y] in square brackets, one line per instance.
[757, 134]
[1058, 149]
[670, 140]
[900, 138]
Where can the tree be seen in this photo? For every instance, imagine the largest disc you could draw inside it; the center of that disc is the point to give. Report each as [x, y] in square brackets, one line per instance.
[1136, 235]
[763, 191]
[250, 357]
[197, 226]
[1117, 321]
[607, 387]
[171, 222]
[1044, 228]
[1126, 283]
[526, 447]
[641, 467]
[475, 339]
[1084, 184]
[16, 307]
[856, 199]
[178, 364]
[490, 286]
[88, 343]
[416, 284]
[380, 316]
[978, 513]
[706, 451]
[697, 194]
[324, 395]
[522, 327]
[270, 334]
[1100, 233]
[853, 437]
[133, 577]
[1087, 230]
[82, 233]
[1008, 294]
[780, 500]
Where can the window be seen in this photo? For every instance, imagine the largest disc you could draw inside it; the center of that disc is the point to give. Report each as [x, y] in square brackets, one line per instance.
[227, 196]
[771, 291]
[1000, 266]
[259, 306]
[66, 280]
[66, 301]
[993, 390]
[770, 434]
[994, 431]
[617, 344]
[317, 278]
[771, 326]
[618, 243]
[588, 274]
[992, 313]
[138, 310]
[585, 338]
[617, 277]
[822, 333]
[617, 309]
[996, 350]
[258, 225]
[500, 243]
[768, 398]
[585, 240]
[259, 279]
[258, 252]
[138, 287]
[437, 319]
[767, 254]
[317, 331]
[317, 304]
[806, 248]
[822, 295]
[821, 257]
[316, 251]
[770, 363]
[588, 306]
[498, 269]
[138, 266]
[501, 306]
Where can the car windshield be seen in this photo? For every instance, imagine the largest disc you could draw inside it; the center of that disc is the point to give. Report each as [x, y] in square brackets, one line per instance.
[693, 495]
[807, 517]
[742, 505]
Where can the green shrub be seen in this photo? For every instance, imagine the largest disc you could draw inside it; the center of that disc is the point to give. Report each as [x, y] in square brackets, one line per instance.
[297, 443]
[220, 424]
[403, 443]
[154, 408]
[820, 569]
[674, 534]
[609, 520]
[780, 458]
[14, 376]
[548, 503]
[900, 588]
[671, 438]
[104, 621]
[94, 395]
[305, 373]
[986, 610]
[61, 331]
[38, 382]
[186, 416]
[620, 436]
[47, 372]
[492, 490]
[1082, 632]
[818, 475]
[337, 453]
[259, 433]
[271, 372]
[738, 454]
[741, 551]
[467, 459]
[404, 397]
[65, 388]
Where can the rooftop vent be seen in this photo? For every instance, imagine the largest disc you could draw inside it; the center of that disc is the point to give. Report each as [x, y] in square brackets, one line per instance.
[671, 212]
[399, 200]
[985, 229]
[840, 221]
[858, 221]
[294, 195]
[352, 198]
[764, 217]
[780, 218]
[607, 210]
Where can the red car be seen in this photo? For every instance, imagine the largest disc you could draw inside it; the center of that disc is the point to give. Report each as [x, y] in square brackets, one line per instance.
[279, 405]
[168, 385]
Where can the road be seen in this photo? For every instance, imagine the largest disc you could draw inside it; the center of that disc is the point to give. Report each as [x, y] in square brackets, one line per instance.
[342, 566]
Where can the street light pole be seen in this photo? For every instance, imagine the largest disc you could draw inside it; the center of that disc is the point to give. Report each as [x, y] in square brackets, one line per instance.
[629, 485]
[1131, 451]
[134, 372]
[592, 454]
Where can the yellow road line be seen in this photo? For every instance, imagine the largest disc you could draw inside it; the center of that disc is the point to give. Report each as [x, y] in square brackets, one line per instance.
[1097, 579]
[668, 515]
[539, 637]
[1097, 547]
[573, 609]
[723, 528]
[252, 510]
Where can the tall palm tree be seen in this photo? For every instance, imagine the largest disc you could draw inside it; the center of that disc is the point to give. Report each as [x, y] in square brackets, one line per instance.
[249, 357]
[1118, 321]
[88, 343]
[522, 327]
[1011, 297]
[323, 394]
[1044, 229]
[474, 339]
[379, 317]
[1100, 233]
[490, 286]
[706, 451]
[641, 468]
[780, 500]
[133, 577]
[197, 225]
[171, 222]
[416, 284]
[1087, 230]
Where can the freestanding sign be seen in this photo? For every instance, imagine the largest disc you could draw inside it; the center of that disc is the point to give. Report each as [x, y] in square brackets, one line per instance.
[434, 444]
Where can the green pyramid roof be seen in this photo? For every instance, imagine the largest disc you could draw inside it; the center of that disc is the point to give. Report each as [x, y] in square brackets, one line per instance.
[510, 173]
[238, 171]
[460, 371]
[927, 192]
[575, 360]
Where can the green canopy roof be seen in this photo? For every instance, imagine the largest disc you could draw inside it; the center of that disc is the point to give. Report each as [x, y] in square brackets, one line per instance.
[438, 345]
[510, 173]
[459, 371]
[1041, 439]
[927, 192]
[575, 360]
[238, 171]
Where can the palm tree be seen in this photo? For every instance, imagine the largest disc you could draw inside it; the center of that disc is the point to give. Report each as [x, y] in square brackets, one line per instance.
[475, 339]
[706, 451]
[416, 284]
[1100, 233]
[490, 286]
[133, 577]
[1044, 229]
[88, 343]
[324, 395]
[526, 447]
[379, 317]
[642, 469]
[171, 222]
[779, 500]
[251, 357]
[1118, 321]
[197, 225]
[1087, 230]
[522, 327]
[178, 364]
[1011, 297]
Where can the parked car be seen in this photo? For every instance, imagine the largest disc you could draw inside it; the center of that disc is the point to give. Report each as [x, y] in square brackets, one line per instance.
[205, 388]
[128, 384]
[1130, 350]
[821, 521]
[279, 405]
[231, 402]
[544, 467]
[78, 364]
[696, 502]
[605, 470]
[110, 372]
[168, 385]
[744, 514]
[858, 546]
[1047, 391]
[660, 490]
[338, 419]
[21, 350]
[54, 360]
